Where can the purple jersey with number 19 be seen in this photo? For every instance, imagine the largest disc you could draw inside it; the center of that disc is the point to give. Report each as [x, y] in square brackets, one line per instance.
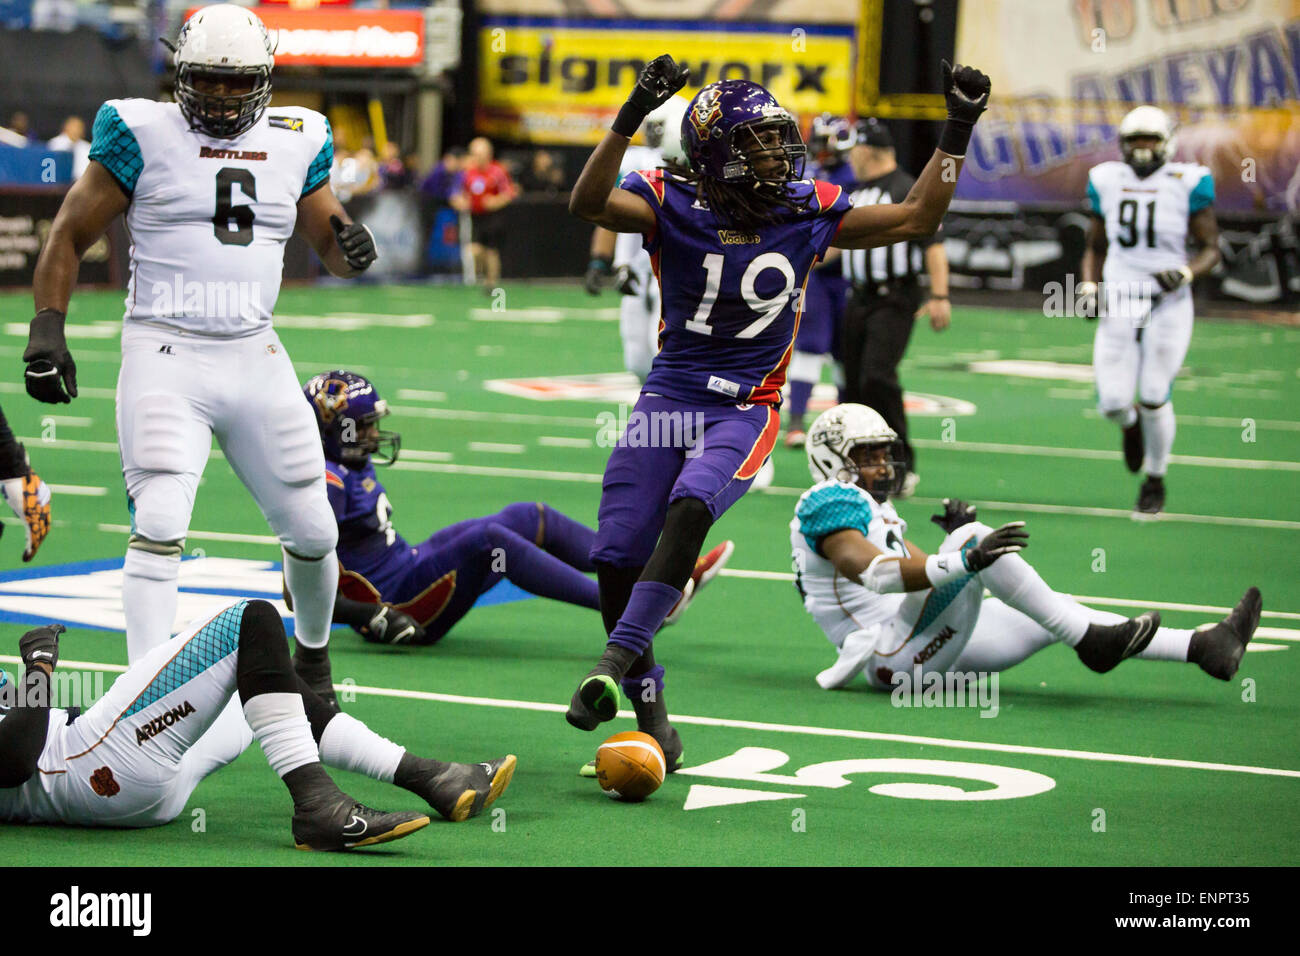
[731, 298]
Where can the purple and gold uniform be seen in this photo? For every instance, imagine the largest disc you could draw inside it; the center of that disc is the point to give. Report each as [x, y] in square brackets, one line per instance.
[731, 311]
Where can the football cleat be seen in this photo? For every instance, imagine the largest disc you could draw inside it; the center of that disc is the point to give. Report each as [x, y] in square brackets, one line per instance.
[795, 438]
[391, 626]
[1218, 648]
[594, 702]
[1151, 499]
[1134, 449]
[312, 664]
[765, 477]
[909, 485]
[707, 567]
[853, 656]
[344, 824]
[463, 790]
[1104, 646]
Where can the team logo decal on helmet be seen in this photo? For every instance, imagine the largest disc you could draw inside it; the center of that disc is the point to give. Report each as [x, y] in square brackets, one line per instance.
[348, 409]
[705, 111]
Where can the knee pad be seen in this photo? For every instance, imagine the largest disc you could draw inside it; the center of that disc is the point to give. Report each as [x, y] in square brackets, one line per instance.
[160, 509]
[525, 518]
[309, 532]
[1116, 415]
[1151, 407]
[263, 666]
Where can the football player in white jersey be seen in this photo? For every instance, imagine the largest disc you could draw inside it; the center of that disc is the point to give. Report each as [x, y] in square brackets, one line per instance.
[1145, 209]
[638, 321]
[131, 759]
[890, 608]
[211, 187]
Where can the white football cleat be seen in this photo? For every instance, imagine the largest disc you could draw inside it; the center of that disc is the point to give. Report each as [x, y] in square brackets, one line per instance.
[707, 568]
[909, 485]
[853, 656]
[766, 475]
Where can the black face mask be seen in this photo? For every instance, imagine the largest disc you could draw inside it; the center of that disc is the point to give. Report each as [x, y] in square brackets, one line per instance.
[223, 117]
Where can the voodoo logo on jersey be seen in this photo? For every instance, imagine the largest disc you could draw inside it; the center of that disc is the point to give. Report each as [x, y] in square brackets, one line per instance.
[705, 112]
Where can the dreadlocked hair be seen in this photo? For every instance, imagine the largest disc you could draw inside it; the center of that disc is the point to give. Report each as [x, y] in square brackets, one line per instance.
[746, 205]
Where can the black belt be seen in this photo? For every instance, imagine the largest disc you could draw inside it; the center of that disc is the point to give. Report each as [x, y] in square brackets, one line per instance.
[873, 290]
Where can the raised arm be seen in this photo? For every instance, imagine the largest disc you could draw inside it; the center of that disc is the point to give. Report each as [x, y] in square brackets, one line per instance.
[594, 197]
[966, 91]
[346, 248]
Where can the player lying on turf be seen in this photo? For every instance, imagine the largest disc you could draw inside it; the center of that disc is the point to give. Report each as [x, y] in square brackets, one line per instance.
[889, 607]
[393, 593]
[733, 243]
[136, 755]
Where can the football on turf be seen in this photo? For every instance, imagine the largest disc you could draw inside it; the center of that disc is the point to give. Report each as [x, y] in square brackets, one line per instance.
[630, 765]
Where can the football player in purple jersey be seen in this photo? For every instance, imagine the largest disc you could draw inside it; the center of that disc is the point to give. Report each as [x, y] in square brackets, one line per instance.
[732, 242]
[395, 593]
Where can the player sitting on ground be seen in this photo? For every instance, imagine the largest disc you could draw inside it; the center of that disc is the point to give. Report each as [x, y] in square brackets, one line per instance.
[397, 594]
[734, 242]
[889, 607]
[133, 759]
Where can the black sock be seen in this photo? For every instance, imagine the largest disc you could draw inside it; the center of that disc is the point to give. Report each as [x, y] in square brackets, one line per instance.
[310, 786]
[412, 771]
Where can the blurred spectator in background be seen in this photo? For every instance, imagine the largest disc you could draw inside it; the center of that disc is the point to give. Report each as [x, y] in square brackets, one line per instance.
[543, 175]
[354, 172]
[442, 179]
[18, 130]
[485, 189]
[73, 140]
[393, 171]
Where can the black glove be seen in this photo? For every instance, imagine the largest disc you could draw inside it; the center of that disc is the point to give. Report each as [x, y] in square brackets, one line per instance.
[1172, 279]
[955, 514]
[626, 281]
[1009, 538]
[41, 645]
[966, 93]
[660, 79]
[51, 373]
[391, 626]
[597, 271]
[357, 243]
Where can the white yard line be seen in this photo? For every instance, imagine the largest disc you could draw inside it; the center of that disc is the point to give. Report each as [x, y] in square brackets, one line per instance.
[766, 727]
[83, 491]
[493, 447]
[1048, 451]
[553, 441]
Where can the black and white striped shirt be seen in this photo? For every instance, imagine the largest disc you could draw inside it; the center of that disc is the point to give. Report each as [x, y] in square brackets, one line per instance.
[896, 265]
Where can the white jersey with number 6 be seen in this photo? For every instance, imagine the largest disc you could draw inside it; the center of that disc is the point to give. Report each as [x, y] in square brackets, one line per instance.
[1146, 218]
[208, 218]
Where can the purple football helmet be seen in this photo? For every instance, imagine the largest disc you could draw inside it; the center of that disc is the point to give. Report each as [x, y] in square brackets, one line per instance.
[347, 405]
[720, 133]
[831, 136]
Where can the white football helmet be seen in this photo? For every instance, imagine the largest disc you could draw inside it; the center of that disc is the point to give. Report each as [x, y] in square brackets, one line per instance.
[837, 431]
[662, 128]
[1146, 121]
[223, 41]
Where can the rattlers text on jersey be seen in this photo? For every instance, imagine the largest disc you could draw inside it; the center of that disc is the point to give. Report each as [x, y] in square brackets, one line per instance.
[208, 218]
[1146, 218]
[837, 604]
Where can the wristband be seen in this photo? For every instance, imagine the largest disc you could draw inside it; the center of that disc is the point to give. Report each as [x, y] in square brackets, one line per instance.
[628, 120]
[1187, 275]
[945, 567]
[941, 298]
[955, 137]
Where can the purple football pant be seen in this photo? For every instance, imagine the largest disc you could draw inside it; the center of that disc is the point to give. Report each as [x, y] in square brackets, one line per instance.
[534, 546]
[652, 466]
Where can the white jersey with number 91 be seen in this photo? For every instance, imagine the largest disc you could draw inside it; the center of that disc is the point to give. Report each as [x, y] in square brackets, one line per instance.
[208, 218]
[1146, 218]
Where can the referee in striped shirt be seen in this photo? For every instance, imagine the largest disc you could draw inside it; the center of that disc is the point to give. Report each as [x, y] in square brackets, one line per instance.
[887, 299]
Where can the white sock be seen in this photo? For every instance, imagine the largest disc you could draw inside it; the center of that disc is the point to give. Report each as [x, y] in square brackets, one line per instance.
[348, 744]
[148, 600]
[1011, 579]
[313, 585]
[280, 726]
[1158, 427]
[1169, 644]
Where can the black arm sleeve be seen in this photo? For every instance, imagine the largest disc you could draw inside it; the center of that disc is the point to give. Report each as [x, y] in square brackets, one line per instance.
[22, 732]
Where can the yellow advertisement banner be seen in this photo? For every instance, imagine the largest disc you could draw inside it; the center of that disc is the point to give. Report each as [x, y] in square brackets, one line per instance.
[564, 82]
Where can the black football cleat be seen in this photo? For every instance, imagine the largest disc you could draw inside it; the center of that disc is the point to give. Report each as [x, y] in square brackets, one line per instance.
[594, 702]
[312, 664]
[459, 791]
[1151, 499]
[344, 824]
[1218, 648]
[1105, 645]
[1134, 449]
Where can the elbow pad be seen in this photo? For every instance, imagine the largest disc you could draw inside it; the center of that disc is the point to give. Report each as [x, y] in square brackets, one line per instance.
[884, 575]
